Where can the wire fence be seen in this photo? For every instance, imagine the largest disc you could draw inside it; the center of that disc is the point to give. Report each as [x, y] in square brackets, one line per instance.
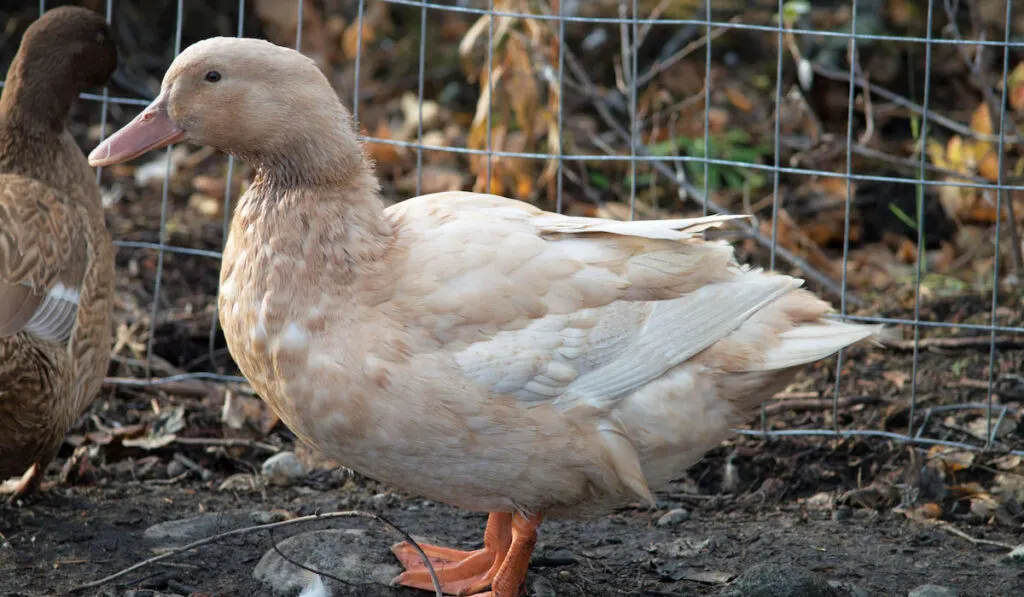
[633, 26]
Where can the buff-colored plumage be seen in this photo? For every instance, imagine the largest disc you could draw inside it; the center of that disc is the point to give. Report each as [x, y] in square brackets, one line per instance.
[465, 347]
[56, 256]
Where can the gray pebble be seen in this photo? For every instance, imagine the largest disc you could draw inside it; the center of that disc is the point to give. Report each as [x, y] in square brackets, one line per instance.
[673, 517]
[284, 469]
[542, 587]
[186, 530]
[356, 557]
[933, 591]
[775, 580]
[175, 468]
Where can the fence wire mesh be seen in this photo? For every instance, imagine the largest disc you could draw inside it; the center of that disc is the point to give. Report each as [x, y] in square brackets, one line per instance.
[688, 171]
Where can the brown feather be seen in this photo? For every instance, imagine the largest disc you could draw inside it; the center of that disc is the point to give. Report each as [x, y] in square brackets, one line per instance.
[51, 231]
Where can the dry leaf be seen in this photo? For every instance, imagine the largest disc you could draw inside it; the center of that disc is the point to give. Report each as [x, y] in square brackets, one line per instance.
[739, 100]
[435, 179]
[929, 511]
[951, 460]
[385, 154]
[896, 378]
[979, 427]
[205, 205]
[981, 120]
[350, 39]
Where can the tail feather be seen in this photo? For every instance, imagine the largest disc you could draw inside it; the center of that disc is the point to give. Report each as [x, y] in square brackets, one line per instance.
[809, 342]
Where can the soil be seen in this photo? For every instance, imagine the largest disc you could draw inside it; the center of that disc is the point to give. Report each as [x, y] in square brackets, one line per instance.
[70, 537]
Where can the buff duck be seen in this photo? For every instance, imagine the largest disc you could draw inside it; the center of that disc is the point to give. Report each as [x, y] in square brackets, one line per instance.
[56, 256]
[464, 347]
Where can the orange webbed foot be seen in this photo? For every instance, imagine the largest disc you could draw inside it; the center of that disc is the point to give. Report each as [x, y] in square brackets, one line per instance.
[500, 565]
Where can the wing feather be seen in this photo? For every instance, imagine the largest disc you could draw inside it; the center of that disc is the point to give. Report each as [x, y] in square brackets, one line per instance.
[43, 256]
[560, 309]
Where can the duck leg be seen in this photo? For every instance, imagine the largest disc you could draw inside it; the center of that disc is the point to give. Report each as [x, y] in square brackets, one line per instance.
[471, 572]
[511, 576]
[30, 481]
[455, 568]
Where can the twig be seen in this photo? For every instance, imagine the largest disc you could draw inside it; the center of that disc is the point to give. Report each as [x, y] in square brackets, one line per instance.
[623, 71]
[204, 473]
[659, 67]
[959, 342]
[795, 395]
[272, 525]
[693, 496]
[227, 443]
[645, 29]
[170, 481]
[978, 384]
[191, 387]
[975, 540]
[869, 113]
[819, 403]
[935, 117]
[915, 165]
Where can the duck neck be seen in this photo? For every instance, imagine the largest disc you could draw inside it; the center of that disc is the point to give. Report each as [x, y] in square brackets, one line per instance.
[336, 224]
[35, 103]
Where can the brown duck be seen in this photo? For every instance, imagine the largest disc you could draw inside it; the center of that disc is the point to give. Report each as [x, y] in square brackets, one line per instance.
[56, 256]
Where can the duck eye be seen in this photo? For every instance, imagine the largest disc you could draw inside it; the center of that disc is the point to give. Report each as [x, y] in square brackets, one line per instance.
[212, 76]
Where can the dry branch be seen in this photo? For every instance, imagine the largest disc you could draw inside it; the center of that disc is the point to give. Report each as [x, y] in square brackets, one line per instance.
[959, 342]
[819, 403]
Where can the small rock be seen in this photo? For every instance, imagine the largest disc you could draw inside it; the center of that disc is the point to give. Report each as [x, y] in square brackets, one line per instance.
[269, 516]
[775, 580]
[186, 530]
[284, 469]
[933, 591]
[853, 590]
[175, 468]
[542, 587]
[1017, 555]
[820, 501]
[356, 557]
[688, 547]
[242, 482]
[673, 517]
[842, 514]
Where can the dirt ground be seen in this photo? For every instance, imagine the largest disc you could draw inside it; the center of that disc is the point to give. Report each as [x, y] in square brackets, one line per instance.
[77, 535]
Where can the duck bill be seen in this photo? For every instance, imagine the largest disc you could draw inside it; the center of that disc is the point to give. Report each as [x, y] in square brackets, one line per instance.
[152, 129]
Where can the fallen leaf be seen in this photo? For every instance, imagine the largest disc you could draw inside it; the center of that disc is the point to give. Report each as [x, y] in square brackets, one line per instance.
[981, 120]
[979, 427]
[687, 547]
[739, 100]
[350, 39]
[896, 378]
